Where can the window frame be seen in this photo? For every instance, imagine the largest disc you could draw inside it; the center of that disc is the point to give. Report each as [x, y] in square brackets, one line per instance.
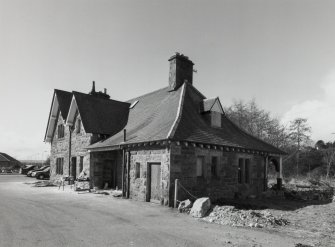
[60, 166]
[137, 170]
[78, 126]
[244, 171]
[214, 172]
[60, 131]
[202, 158]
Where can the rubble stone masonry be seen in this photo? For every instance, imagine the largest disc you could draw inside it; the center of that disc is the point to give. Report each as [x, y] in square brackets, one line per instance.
[224, 184]
[144, 157]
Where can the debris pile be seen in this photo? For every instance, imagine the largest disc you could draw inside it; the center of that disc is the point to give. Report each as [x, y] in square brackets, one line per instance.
[229, 215]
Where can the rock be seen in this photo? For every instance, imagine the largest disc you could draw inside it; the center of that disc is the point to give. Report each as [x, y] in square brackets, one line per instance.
[184, 205]
[117, 193]
[201, 207]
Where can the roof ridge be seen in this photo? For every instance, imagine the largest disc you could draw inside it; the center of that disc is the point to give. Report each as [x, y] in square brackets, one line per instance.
[95, 97]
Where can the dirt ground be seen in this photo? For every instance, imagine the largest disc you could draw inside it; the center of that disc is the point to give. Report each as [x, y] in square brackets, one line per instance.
[32, 216]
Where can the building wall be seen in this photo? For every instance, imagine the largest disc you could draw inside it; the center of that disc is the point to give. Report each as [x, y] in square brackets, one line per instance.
[60, 149]
[224, 185]
[79, 141]
[145, 156]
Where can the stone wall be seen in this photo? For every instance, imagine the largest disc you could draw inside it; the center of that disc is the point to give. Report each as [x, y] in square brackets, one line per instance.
[145, 156]
[225, 184]
[59, 149]
[79, 141]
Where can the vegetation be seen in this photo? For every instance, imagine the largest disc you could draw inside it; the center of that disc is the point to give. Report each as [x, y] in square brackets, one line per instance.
[304, 158]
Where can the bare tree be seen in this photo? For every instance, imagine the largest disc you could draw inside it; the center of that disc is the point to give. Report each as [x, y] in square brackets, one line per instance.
[300, 135]
[258, 122]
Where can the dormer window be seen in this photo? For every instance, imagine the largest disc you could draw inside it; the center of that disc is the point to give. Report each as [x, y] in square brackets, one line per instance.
[60, 131]
[213, 111]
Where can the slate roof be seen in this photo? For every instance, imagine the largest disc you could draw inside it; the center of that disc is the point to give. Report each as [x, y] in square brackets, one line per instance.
[5, 158]
[194, 128]
[100, 115]
[157, 116]
[150, 119]
[64, 101]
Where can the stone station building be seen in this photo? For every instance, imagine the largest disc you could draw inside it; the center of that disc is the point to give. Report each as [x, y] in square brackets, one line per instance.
[144, 144]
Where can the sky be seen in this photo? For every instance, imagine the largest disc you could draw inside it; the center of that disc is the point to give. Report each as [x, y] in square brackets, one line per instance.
[282, 53]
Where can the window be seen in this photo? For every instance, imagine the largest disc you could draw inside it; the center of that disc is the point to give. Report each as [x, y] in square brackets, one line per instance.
[244, 171]
[240, 170]
[200, 166]
[59, 166]
[78, 126]
[137, 170]
[81, 164]
[247, 171]
[60, 132]
[214, 166]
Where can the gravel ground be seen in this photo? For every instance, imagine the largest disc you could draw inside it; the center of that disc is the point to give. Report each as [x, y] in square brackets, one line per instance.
[46, 216]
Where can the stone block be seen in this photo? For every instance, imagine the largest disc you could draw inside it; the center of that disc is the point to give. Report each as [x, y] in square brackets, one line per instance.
[200, 207]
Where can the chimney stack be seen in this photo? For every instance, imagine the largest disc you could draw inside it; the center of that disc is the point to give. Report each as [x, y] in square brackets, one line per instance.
[181, 70]
[93, 87]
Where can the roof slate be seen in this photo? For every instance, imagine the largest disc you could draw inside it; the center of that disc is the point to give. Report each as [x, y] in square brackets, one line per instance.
[101, 115]
[64, 101]
[193, 127]
[150, 119]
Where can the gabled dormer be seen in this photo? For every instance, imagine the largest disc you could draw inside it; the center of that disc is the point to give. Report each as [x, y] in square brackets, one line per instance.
[212, 111]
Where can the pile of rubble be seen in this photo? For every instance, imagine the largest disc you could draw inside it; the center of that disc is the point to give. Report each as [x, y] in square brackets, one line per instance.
[229, 215]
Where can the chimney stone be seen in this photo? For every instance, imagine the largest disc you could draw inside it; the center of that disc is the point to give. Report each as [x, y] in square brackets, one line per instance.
[181, 70]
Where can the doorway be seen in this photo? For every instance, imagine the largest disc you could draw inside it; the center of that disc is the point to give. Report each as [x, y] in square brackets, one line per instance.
[109, 174]
[154, 192]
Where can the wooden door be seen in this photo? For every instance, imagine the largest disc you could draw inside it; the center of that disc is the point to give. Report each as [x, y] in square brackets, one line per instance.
[155, 183]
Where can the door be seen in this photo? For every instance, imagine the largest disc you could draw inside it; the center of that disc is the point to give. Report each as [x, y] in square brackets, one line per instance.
[109, 173]
[74, 167]
[155, 182]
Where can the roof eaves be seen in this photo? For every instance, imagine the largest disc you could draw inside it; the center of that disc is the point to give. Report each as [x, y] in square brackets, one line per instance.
[46, 131]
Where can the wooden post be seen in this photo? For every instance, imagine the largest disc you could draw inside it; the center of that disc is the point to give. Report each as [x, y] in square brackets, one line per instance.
[175, 192]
